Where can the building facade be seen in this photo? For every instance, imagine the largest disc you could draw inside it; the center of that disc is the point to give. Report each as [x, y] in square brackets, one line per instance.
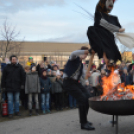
[58, 52]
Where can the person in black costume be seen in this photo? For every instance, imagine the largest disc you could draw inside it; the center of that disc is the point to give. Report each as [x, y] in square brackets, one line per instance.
[101, 35]
[73, 71]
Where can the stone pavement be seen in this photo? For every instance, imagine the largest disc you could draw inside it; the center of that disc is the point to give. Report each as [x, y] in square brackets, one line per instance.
[66, 122]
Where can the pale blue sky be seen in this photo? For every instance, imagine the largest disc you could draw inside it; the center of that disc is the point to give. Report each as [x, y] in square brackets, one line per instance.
[56, 20]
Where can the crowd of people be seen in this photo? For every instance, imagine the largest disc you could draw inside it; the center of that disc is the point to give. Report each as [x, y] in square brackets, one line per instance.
[40, 87]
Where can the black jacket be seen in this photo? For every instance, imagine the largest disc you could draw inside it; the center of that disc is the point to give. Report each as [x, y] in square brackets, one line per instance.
[13, 78]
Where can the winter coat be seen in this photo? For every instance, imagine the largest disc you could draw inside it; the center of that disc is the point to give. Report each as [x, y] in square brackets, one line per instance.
[52, 78]
[127, 79]
[57, 86]
[45, 85]
[13, 77]
[32, 84]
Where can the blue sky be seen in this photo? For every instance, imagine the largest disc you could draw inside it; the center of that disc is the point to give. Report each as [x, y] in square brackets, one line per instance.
[58, 20]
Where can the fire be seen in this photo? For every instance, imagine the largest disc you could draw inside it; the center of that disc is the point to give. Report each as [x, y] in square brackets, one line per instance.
[113, 89]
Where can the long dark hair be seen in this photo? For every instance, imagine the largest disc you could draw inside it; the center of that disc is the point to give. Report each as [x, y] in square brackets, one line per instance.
[101, 6]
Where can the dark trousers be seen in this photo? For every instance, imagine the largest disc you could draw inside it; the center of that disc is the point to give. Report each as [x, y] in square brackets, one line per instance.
[58, 100]
[65, 99]
[72, 101]
[81, 95]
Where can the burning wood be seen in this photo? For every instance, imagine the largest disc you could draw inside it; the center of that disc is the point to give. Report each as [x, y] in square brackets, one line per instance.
[113, 90]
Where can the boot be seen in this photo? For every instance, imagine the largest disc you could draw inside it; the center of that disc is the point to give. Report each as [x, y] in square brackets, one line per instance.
[30, 112]
[37, 112]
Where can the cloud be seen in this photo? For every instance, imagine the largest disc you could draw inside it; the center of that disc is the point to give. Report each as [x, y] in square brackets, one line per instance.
[19, 5]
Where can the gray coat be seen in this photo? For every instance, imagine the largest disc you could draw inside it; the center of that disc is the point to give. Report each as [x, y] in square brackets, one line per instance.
[32, 84]
[57, 86]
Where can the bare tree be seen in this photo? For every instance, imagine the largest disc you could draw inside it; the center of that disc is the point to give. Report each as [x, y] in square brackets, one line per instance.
[9, 36]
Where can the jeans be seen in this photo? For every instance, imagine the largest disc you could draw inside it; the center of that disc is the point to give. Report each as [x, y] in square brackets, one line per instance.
[72, 101]
[30, 101]
[13, 98]
[45, 101]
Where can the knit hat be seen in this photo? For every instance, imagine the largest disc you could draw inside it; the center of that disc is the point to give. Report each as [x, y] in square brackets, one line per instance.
[42, 76]
[93, 66]
[48, 70]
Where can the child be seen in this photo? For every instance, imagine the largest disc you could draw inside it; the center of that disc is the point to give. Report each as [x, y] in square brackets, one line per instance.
[126, 77]
[32, 87]
[45, 84]
[57, 89]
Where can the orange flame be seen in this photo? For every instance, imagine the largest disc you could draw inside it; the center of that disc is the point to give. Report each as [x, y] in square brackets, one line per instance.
[113, 88]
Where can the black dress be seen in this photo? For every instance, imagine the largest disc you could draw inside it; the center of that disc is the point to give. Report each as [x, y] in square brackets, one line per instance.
[101, 39]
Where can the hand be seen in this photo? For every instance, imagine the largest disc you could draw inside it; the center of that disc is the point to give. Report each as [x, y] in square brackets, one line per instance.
[87, 83]
[86, 52]
[91, 51]
[89, 74]
[122, 30]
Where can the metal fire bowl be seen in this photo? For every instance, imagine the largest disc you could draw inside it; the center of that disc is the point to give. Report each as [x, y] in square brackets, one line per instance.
[122, 107]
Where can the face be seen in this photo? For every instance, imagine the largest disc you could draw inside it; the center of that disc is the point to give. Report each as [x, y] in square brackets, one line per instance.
[94, 69]
[42, 65]
[44, 73]
[14, 60]
[27, 70]
[31, 60]
[84, 56]
[49, 73]
[55, 68]
[109, 5]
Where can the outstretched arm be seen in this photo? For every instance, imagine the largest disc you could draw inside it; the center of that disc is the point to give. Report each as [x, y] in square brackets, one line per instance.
[77, 53]
[109, 26]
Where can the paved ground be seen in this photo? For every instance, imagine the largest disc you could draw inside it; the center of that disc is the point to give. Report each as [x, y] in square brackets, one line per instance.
[65, 122]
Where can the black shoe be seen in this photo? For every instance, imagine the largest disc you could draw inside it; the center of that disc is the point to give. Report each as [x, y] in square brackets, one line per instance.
[10, 116]
[90, 123]
[17, 114]
[86, 126]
